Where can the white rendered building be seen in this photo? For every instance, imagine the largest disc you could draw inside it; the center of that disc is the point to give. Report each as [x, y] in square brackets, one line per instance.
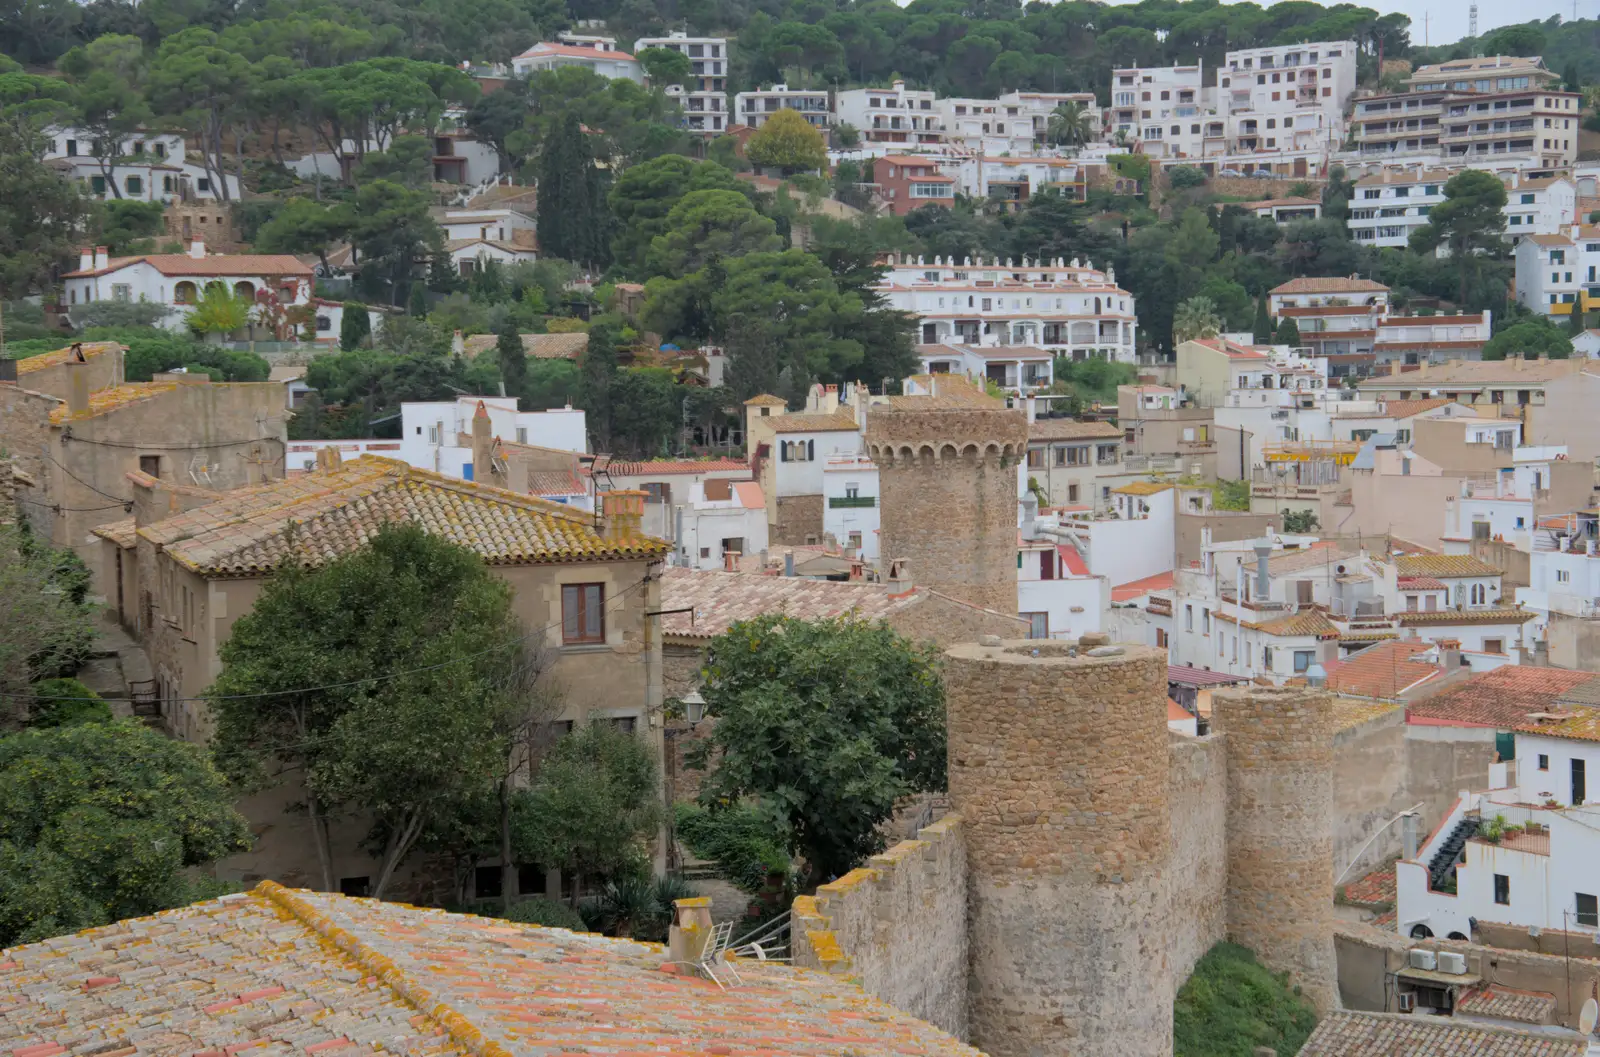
[147, 167]
[1559, 271]
[850, 510]
[705, 100]
[754, 108]
[1068, 308]
[179, 280]
[1389, 206]
[1164, 108]
[1288, 97]
[893, 115]
[596, 53]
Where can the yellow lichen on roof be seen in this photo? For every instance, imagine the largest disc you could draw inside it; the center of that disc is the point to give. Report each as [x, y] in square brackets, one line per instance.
[1143, 487]
[1583, 725]
[1349, 713]
[60, 356]
[1443, 565]
[118, 396]
[766, 400]
[1306, 622]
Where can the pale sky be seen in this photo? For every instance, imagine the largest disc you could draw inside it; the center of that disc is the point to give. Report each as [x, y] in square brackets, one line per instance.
[1447, 19]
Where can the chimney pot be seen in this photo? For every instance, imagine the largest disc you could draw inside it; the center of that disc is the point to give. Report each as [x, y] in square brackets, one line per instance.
[85, 259]
[623, 512]
[197, 249]
[102, 257]
[77, 386]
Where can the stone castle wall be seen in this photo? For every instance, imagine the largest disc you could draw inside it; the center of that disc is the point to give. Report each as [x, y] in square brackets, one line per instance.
[1280, 831]
[799, 521]
[899, 925]
[948, 495]
[1198, 794]
[1059, 765]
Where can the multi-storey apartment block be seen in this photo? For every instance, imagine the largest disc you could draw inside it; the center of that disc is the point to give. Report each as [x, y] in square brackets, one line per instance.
[596, 53]
[1289, 97]
[1472, 111]
[1067, 307]
[1389, 206]
[1014, 123]
[1560, 273]
[705, 100]
[1164, 108]
[894, 115]
[754, 108]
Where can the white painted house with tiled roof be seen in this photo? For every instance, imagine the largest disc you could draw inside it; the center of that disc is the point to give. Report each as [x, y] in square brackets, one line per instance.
[272, 282]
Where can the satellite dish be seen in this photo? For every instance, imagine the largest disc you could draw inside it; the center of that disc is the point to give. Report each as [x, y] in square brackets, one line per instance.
[1587, 1018]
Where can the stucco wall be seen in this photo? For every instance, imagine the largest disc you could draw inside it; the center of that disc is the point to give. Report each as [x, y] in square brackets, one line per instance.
[1369, 785]
[1198, 795]
[898, 925]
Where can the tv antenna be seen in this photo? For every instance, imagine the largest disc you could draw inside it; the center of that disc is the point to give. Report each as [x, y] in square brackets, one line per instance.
[1472, 22]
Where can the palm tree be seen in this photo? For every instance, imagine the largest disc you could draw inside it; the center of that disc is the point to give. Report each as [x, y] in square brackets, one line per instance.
[1196, 318]
[1070, 125]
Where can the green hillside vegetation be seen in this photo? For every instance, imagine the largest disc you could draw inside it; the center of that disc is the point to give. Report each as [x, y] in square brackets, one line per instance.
[1233, 1004]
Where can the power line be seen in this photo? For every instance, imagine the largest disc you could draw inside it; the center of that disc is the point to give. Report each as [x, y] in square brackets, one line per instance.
[352, 682]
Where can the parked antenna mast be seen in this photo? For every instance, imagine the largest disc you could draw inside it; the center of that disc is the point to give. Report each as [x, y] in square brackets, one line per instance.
[1472, 23]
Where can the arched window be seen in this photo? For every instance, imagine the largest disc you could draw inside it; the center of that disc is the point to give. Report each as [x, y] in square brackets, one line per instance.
[1097, 306]
[1479, 594]
[184, 293]
[811, 450]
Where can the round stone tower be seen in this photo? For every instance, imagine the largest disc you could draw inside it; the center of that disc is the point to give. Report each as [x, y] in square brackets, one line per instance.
[1059, 766]
[1280, 831]
[948, 487]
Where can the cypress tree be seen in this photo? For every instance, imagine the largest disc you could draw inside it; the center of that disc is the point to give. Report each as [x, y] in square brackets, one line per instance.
[513, 360]
[1261, 333]
[598, 375]
[1288, 332]
[355, 327]
[573, 222]
[417, 307]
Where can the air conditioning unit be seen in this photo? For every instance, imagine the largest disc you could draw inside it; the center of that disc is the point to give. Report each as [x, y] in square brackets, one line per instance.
[1453, 963]
[1408, 1002]
[1421, 959]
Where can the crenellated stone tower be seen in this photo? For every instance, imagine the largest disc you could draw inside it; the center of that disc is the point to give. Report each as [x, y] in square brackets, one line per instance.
[948, 486]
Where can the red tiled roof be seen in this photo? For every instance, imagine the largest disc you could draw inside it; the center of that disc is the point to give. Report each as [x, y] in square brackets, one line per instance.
[652, 467]
[1135, 588]
[1407, 408]
[1329, 286]
[1382, 671]
[1176, 713]
[1422, 583]
[1189, 676]
[1501, 698]
[574, 50]
[183, 265]
[1073, 560]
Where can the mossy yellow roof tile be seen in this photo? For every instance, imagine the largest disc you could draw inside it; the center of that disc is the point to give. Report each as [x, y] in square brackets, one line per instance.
[118, 396]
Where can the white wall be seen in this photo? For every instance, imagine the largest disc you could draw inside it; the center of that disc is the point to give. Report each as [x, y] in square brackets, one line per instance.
[838, 476]
[429, 430]
[1075, 605]
[796, 477]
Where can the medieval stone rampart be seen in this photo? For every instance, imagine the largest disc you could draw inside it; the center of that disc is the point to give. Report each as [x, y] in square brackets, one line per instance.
[898, 925]
[1198, 795]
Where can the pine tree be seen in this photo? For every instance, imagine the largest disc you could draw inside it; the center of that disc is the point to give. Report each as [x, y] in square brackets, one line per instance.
[1288, 332]
[1261, 333]
[513, 360]
[418, 305]
[355, 328]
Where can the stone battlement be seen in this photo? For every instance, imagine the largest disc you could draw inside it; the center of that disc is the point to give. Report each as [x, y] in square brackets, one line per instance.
[934, 434]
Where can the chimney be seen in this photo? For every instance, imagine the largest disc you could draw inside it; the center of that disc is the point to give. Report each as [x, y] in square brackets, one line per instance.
[1422, 365]
[86, 259]
[102, 257]
[1516, 363]
[1408, 835]
[788, 563]
[329, 459]
[1263, 549]
[623, 511]
[482, 446]
[77, 386]
[691, 929]
[1030, 516]
[197, 249]
[1031, 404]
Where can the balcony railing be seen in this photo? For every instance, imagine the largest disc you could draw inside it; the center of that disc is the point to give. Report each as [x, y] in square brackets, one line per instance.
[845, 502]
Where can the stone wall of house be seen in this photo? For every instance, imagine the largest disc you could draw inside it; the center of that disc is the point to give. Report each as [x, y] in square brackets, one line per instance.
[945, 621]
[1280, 831]
[898, 925]
[799, 521]
[948, 486]
[1198, 792]
[1059, 765]
[25, 437]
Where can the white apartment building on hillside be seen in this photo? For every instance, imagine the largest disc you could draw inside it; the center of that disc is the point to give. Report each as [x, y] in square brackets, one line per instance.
[1163, 108]
[893, 115]
[752, 109]
[705, 100]
[1390, 205]
[1560, 272]
[1066, 307]
[1014, 123]
[1289, 97]
[1017, 179]
[597, 54]
[145, 167]
[1334, 316]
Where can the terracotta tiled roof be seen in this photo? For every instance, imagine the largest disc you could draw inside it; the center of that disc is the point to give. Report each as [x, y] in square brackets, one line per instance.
[1420, 583]
[1306, 622]
[1505, 1003]
[1351, 712]
[1136, 588]
[651, 467]
[1477, 373]
[1582, 725]
[1347, 1034]
[575, 51]
[1384, 671]
[1070, 429]
[333, 513]
[1323, 554]
[1407, 408]
[91, 349]
[766, 400]
[1443, 565]
[539, 346]
[555, 482]
[1191, 676]
[1143, 487]
[183, 266]
[103, 401]
[835, 422]
[950, 391]
[1330, 286]
[1503, 697]
[1233, 350]
[286, 973]
[721, 600]
[1438, 617]
[124, 533]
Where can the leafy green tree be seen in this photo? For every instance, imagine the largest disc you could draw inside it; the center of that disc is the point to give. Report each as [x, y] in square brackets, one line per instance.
[1575, 321]
[1288, 332]
[304, 226]
[1196, 318]
[129, 226]
[1185, 177]
[65, 702]
[30, 103]
[1529, 338]
[41, 215]
[846, 136]
[103, 822]
[1194, 243]
[1469, 222]
[1232, 301]
[511, 357]
[705, 225]
[664, 66]
[393, 232]
[44, 599]
[220, 311]
[828, 723]
[355, 326]
[573, 221]
[1261, 332]
[408, 162]
[1300, 520]
[598, 381]
[108, 73]
[787, 141]
[119, 314]
[205, 86]
[643, 197]
[418, 649]
[593, 805]
[417, 301]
